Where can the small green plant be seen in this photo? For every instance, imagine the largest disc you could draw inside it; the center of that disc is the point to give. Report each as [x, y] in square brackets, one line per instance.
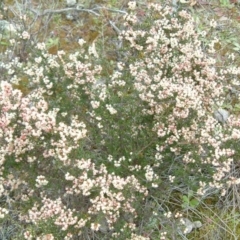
[4, 43]
[225, 3]
[52, 42]
[189, 201]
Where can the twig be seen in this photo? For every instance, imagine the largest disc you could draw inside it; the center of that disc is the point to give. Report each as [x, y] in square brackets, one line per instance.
[49, 11]
[110, 10]
[78, 8]
[114, 27]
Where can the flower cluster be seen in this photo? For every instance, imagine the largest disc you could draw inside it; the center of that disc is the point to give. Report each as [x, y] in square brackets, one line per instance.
[180, 85]
[85, 147]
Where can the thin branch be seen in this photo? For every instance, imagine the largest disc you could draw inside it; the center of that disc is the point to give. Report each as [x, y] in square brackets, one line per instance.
[110, 10]
[78, 8]
[114, 27]
[50, 11]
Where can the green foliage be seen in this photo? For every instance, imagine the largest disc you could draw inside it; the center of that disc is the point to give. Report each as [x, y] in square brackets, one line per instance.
[188, 201]
[52, 42]
[114, 138]
[225, 3]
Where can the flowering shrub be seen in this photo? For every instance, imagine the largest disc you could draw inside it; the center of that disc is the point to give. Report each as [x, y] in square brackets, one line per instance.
[178, 85]
[83, 153]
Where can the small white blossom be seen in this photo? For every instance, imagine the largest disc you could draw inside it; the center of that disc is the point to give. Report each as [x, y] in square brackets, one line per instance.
[95, 104]
[111, 109]
[41, 181]
[3, 212]
[132, 5]
[25, 35]
[81, 42]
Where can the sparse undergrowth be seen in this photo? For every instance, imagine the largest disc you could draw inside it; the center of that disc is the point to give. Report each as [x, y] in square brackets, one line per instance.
[123, 133]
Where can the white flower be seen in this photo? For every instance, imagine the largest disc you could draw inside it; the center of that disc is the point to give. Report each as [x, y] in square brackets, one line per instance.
[69, 177]
[95, 104]
[213, 23]
[92, 50]
[41, 181]
[3, 211]
[38, 60]
[41, 46]
[25, 35]
[12, 41]
[81, 41]
[111, 109]
[95, 226]
[132, 5]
